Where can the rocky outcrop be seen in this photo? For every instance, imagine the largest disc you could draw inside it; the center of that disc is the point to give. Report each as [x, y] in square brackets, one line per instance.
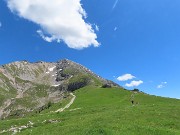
[28, 86]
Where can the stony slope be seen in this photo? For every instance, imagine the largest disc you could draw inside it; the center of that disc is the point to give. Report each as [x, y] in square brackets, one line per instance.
[27, 87]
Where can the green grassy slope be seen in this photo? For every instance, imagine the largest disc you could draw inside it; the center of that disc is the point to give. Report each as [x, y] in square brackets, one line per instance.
[106, 111]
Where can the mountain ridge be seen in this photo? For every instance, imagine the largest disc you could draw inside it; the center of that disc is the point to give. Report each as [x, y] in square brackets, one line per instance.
[27, 86]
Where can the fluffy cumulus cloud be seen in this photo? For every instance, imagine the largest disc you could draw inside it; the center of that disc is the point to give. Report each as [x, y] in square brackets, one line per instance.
[162, 85]
[125, 77]
[134, 83]
[60, 20]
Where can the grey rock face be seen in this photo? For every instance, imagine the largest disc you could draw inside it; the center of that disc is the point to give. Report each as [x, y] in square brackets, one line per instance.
[28, 86]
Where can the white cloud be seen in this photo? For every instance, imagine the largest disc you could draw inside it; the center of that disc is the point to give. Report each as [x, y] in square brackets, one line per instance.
[115, 3]
[115, 28]
[125, 77]
[164, 82]
[46, 38]
[134, 83]
[162, 85]
[97, 28]
[62, 20]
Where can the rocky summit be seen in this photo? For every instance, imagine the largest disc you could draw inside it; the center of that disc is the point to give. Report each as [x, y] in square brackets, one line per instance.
[27, 87]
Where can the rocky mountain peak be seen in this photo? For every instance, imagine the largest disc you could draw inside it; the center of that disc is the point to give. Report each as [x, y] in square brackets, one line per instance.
[42, 82]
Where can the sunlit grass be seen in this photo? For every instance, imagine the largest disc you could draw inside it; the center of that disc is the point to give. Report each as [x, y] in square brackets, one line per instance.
[106, 111]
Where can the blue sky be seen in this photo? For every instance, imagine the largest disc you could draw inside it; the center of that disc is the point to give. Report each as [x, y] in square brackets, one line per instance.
[135, 37]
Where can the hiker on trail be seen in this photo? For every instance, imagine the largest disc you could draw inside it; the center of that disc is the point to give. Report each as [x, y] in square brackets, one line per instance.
[132, 99]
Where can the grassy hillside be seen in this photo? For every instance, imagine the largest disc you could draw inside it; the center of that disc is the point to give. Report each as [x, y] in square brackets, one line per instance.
[105, 111]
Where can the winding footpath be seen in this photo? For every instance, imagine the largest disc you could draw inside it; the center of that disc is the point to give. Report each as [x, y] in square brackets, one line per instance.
[68, 105]
[15, 130]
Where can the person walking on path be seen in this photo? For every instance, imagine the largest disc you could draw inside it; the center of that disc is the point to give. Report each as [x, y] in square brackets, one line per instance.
[132, 98]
